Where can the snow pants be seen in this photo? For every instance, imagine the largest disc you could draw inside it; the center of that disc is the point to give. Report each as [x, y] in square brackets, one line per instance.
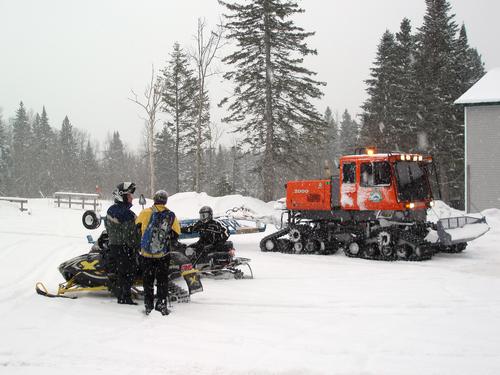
[155, 269]
[123, 261]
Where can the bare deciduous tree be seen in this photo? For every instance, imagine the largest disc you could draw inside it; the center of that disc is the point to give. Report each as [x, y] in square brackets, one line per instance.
[203, 57]
[216, 132]
[150, 103]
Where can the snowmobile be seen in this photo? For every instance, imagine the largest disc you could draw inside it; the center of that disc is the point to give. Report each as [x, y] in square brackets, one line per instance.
[218, 262]
[214, 263]
[88, 272]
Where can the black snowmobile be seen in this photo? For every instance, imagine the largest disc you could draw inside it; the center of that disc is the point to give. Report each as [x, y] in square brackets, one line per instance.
[88, 272]
[218, 262]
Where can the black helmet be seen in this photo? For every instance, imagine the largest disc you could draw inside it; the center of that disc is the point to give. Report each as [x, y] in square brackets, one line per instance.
[122, 189]
[160, 197]
[206, 214]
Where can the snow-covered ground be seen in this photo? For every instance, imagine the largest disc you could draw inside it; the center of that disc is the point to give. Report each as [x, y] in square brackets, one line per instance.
[300, 315]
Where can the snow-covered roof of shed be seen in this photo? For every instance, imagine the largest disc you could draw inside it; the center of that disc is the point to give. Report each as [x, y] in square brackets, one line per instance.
[486, 90]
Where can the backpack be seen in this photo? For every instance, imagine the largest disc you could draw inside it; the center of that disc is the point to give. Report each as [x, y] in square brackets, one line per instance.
[155, 240]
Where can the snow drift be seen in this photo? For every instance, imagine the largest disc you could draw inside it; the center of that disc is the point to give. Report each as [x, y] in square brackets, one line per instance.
[300, 315]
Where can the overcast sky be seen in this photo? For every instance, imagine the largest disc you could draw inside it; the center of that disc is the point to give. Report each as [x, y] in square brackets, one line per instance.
[82, 58]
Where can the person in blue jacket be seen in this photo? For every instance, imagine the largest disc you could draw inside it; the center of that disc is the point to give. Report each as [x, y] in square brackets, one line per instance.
[124, 240]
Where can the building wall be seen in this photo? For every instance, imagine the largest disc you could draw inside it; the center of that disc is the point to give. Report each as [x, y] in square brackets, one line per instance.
[483, 157]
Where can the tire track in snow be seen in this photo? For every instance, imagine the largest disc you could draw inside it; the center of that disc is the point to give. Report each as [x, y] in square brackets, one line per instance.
[38, 234]
[45, 262]
[9, 247]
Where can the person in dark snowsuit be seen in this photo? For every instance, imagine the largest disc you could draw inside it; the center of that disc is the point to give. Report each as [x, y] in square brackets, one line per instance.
[213, 235]
[159, 228]
[123, 242]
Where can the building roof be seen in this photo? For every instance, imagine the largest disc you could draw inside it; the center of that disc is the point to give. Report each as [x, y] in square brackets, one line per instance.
[486, 90]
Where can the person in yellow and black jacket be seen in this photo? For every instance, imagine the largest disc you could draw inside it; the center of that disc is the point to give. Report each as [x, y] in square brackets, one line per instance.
[159, 229]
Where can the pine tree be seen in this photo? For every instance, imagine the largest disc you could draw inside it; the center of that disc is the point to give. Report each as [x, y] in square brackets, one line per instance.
[241, 179]
[379, 117]
[349, 131]
[198, 139]
[470, 67]
[21, 152]
[178, 101]
[332, 151]
[405, 108]
[136, 169]
[114, 164]
[67, 169]
[273, 90]
[5, 161]
[165, 164]
[44, 150]
[90, 178]
[248, 183]
[222, 186]
[413, 85]
[36, 170]
[437, 69]
[220, 166]
[468, 70]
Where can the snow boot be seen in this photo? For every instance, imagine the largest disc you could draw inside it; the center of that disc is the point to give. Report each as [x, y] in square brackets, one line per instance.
[165, 311]
[148, 307]
[161, 306]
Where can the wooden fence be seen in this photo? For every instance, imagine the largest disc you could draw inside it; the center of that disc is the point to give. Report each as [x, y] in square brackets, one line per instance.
[16, 200]
[76, 199]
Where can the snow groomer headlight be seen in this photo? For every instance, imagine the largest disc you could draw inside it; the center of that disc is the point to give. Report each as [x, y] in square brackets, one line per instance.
[410, 205]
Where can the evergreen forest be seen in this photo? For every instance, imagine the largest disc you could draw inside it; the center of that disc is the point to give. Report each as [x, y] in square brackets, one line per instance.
[416, 75]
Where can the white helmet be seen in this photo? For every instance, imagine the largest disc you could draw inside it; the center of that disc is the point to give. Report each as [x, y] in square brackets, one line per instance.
[122, 189]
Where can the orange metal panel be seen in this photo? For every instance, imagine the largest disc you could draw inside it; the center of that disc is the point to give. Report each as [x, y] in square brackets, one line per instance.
[308, 195]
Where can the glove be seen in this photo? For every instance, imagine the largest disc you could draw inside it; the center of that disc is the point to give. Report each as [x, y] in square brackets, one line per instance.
[188, 229]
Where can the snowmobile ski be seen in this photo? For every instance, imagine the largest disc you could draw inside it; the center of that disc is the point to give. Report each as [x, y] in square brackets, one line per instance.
[42, 290]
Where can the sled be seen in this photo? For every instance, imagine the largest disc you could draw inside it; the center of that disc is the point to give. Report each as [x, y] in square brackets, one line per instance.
[233, 226]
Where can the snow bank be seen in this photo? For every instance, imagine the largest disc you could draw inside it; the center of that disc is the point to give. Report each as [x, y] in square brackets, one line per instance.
[441, 210]
[300, 315]
[492, 218]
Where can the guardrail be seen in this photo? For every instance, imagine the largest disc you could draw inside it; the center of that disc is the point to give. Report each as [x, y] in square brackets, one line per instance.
[16, 200]
[76, 199]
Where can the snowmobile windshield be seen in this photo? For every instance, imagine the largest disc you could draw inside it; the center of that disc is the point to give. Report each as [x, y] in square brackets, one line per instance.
[412, 181]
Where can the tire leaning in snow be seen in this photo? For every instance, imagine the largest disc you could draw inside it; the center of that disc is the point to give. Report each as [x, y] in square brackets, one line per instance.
[91, 220]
